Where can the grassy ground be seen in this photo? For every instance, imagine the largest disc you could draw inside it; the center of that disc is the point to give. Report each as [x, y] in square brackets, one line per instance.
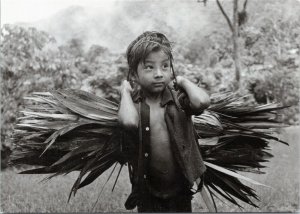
[25, 193]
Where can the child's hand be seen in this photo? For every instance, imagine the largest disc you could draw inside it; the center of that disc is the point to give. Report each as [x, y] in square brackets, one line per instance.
[128, 116]
[177, 83]
[125, 87]
[180, 80]
[180, 85]
[198, 100]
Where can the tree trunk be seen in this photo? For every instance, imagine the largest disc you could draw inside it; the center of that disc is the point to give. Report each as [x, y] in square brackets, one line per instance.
[236, 55]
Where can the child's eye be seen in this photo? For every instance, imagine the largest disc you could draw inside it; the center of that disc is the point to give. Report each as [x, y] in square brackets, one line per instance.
[148, 67]
[165, 66]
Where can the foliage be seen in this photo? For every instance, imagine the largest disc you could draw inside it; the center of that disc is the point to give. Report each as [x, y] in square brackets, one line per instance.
[24, 59]
[270, 54]
[34, 62]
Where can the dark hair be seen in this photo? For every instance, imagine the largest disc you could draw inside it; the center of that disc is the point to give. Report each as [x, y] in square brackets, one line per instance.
[144, 44]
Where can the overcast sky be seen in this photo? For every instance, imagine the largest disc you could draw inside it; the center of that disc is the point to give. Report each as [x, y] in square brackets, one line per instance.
[32, 10]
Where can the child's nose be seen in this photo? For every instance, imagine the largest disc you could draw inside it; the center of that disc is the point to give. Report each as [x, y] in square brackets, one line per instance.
[158, 73]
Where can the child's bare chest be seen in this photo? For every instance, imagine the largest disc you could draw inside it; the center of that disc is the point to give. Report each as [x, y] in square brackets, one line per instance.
[159, 131]
[162, 160]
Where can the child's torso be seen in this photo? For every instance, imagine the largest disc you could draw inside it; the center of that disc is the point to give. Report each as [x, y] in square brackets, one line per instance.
[165, 177]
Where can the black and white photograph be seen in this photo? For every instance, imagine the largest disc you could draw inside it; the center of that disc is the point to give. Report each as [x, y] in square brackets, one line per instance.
[150, 106]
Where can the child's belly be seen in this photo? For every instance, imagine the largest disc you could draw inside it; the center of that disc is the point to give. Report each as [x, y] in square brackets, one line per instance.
[162, 162]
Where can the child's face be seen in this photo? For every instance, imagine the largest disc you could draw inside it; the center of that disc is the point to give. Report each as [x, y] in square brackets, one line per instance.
[155, 74]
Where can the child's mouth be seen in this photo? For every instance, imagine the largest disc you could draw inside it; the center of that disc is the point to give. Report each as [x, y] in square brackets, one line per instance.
[158, 84]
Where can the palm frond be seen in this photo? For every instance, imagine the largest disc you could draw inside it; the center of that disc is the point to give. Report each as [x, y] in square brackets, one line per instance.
[71, 130]
[233, 174]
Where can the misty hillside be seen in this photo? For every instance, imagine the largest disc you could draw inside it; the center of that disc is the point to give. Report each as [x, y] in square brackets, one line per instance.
[180, 20]
[116, 30]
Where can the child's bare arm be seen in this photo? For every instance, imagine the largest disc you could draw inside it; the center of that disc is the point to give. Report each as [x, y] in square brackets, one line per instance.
[199, 99]
[127, 114]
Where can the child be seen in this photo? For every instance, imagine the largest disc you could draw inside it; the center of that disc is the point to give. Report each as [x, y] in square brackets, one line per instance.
[165, 157]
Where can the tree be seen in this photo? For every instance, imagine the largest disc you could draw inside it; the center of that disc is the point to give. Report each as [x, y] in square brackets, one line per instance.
[239, 18]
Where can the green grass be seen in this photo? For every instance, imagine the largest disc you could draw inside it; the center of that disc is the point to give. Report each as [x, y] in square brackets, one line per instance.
[25, 193]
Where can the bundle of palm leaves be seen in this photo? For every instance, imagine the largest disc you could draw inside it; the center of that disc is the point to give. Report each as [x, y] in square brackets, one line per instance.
[72, 130]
